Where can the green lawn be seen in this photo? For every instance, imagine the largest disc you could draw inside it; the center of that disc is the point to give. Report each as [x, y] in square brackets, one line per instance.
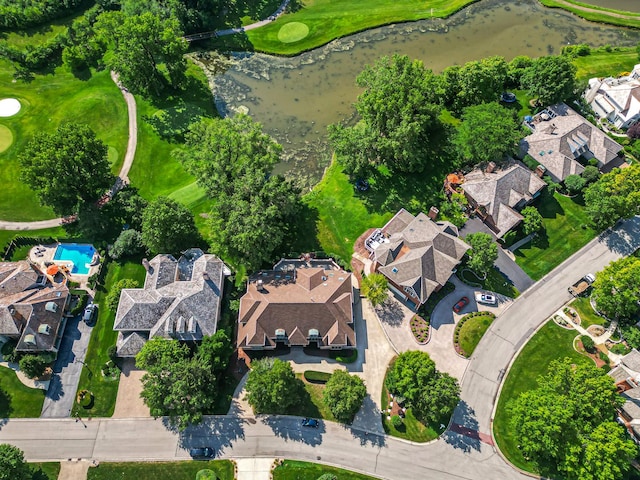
[412, 429]
[566, 231]
[472, 331]
[102, 337]
[50, 469]
[495, 282]
[601, 63]
[342, 216]
[224, 469]
[311, 405]
[17, 400]
[331, 19]
[602, 14]
[46, 102]
[587, 315]
[550, 343]
[295, 470]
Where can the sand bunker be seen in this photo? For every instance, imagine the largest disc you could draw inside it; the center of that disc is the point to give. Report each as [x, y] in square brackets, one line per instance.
[9, 107]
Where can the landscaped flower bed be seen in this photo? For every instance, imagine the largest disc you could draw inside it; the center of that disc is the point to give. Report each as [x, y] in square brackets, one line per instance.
[420, 329]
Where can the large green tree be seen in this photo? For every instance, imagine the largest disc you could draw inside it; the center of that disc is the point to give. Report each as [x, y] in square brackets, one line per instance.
[145, 46]
[272, 387]
[532, 221]
[12, 464]
[562, 423]
[399, 110]
[66, 168]
[616, 290]
[374, 287]
[488, 132]
[180, 384]
[168, 226]
[343, 394]
[613, 196]
[232, 159]
[431, 394]
[550, 79]
[483, 253]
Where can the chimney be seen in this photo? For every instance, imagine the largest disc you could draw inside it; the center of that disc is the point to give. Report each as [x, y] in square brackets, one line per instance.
[205, 276]
[540, 171]
[145, 264]
[433, 213]
[491, 166]
[260, 285]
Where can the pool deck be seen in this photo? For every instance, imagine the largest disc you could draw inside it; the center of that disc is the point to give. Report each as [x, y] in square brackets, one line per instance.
[42, 255]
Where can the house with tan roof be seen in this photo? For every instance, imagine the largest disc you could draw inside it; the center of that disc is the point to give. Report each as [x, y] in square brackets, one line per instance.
[181, 299]
[616, 99]
[301, 303]
[626, 376]
[416, 254]
[560, 137]
[498, 194]
[31, 308]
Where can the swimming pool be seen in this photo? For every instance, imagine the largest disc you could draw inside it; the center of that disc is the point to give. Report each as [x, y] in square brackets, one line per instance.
[80, 254]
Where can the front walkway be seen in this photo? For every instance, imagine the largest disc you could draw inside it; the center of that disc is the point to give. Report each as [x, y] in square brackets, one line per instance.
[74, 470]
[254, 468]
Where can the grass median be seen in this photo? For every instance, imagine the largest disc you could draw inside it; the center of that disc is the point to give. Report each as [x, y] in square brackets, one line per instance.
[296, 470]
[223, 469]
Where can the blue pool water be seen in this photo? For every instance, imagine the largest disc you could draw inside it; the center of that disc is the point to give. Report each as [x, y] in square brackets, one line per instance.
[81, 256]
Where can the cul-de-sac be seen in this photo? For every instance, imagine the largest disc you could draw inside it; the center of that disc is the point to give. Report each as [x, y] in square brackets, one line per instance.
[319, 239]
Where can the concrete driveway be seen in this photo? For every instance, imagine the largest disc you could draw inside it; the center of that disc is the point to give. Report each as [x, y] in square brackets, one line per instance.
[129, 404]
[66, 370]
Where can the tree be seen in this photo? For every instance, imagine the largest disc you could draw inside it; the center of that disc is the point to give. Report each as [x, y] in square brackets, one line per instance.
[532, 221]
[587, 343]
[484, 251]
[113, 297]
[488, 132]
[615, 195]
[634, 131]
[180, 384]
[12, 464]
[616, 290]
[343, 394]
[399, 110]
[232, 160]
[590, 174]
[562, 423]
[431, 394]
[574, 183]
[145, 46]
[453, 209]
[128, 243]
[272, 387]
[631, 335]
[327, 476]
[66, 168]
[374, 287]
[33, 366]
[168, 226]
[550, 79]
[515, 69]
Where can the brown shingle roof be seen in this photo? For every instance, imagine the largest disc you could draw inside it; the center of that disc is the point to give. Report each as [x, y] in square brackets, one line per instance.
[297, 300]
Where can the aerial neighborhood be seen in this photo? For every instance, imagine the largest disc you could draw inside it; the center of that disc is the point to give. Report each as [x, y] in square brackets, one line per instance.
[318, 240]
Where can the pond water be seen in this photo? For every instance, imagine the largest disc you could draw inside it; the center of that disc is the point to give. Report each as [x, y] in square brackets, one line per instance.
[624, 5]
[296, 98]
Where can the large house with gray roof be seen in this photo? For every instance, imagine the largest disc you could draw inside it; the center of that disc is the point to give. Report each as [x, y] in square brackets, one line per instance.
[560, 137]
[31, 308]
[181, 299]
[416, 254]
[498, 195]
[302, 303]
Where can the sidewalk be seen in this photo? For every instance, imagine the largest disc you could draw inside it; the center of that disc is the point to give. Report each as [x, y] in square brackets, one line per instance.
[254, 468]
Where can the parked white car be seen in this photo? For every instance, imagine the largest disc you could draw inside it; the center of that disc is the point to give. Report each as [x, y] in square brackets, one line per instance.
[486, 298]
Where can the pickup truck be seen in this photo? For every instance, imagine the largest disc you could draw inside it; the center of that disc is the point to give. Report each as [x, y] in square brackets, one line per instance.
[582, 285]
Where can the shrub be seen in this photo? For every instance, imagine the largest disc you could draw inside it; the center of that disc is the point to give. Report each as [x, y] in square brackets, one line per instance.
[590, 174]
[327, 476]
[112, 352]
[128, 243]
[113, 297]
[312, 376]
[9, 351]
[206, 474]
[81, 302]
[574, 183]
[397, 422]
[619, 349]
[587, 343]
[634, 130]
[33, 366]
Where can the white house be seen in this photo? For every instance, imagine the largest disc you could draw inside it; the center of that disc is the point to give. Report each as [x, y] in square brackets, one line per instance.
[616, 99]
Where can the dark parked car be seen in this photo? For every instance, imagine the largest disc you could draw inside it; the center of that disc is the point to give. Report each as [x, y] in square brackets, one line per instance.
[310, 422]
[89, 314]
[463, 302]
[201, 453]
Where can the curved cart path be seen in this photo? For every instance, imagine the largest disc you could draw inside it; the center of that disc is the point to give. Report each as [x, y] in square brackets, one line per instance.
[566, 5]
[121, 180]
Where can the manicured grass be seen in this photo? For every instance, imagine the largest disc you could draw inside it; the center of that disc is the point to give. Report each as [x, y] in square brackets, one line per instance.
[412, 428]
[330, 19]
[7, 235]
[296, 470]
[601, 63]
[472, 331]
[50, 469]
[342, 216]
[550, 343]
[596, 13]
[156, 470]
[102, 337]
[587, 315]
[48, 101]
[6, 138]
[566, 231]
[17, 400]
[312, 405]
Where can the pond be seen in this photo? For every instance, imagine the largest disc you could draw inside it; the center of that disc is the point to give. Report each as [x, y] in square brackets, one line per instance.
[296, 98]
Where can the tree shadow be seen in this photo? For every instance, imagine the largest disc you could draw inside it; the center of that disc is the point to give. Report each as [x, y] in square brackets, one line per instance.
[367, 438]
[622, 238]
[215, 432]
[390, 312]
[462, 433]
[290, 428]
[5, 405]
[303, 233]
[548, 205]
[55, 391]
